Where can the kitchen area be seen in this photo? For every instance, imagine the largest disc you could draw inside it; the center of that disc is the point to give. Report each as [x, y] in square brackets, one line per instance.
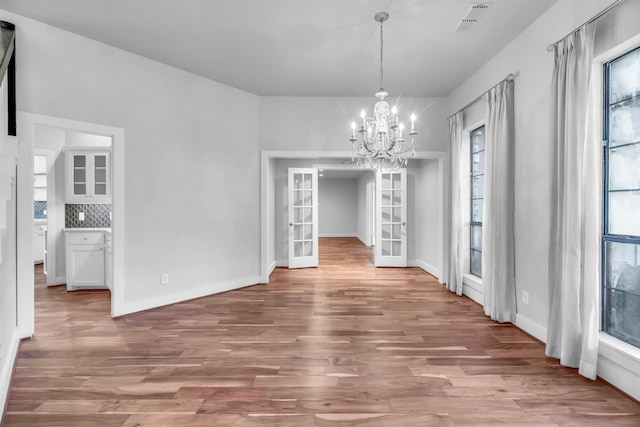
[72, 209]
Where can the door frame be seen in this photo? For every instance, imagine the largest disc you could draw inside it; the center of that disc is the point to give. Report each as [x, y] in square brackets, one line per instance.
[267, 202]
[309, 260]
[27, 123]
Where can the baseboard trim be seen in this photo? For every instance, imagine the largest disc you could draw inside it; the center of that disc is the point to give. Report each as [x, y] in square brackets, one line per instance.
[472, 292]
[532, 328]
[435, 272]
[619, 365]
[56, 281]
[6, 370]
[199, 292]
[337, 235]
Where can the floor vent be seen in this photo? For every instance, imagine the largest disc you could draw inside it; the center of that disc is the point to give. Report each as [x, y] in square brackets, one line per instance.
[475, 11]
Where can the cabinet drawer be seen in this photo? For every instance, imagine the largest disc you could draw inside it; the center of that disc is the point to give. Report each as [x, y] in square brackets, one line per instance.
[89, 238]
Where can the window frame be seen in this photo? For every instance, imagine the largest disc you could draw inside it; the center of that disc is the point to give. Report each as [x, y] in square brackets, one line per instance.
[608, 237]
[473, 223]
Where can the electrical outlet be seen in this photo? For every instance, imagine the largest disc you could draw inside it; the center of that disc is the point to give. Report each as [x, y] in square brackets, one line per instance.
[525, 297]
[164, 279]
[80, 216]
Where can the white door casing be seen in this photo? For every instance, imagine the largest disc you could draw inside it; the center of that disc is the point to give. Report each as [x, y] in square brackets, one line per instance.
[391, 219]
[303, 217]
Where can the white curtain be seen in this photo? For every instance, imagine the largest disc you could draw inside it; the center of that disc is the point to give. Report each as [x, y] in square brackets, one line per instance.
[572, 334]
[455, 271]
[498, 261]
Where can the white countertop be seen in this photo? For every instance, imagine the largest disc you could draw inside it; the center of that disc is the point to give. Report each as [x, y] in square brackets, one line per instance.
[76, 230]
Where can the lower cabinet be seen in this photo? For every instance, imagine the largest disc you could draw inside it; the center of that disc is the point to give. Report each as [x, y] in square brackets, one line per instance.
[85, 260]
[108, 261]
[38, 244]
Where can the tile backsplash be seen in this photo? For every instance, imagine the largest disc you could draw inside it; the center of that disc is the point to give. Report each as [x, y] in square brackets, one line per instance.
[40, 209]
[95, 216]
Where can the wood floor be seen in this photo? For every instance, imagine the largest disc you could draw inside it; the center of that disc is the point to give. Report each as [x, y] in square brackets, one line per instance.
[340, 345]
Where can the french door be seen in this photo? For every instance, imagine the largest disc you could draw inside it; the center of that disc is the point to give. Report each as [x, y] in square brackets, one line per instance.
[391, 219]
[303, 217]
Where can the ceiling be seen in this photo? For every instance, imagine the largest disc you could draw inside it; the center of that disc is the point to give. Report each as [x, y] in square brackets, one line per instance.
[300, 47]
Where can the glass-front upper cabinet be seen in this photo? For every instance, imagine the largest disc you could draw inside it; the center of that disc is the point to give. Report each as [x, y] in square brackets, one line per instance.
[88, 176]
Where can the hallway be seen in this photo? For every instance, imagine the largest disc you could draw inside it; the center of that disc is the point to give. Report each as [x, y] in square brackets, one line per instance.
[343, 344]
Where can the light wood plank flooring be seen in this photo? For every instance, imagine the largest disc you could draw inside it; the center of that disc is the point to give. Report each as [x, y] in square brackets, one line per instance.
[344, 344]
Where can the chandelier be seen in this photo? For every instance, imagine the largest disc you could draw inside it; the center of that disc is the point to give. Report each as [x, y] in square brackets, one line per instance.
[381, 145]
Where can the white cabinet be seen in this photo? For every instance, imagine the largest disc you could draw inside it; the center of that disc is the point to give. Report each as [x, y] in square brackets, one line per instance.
[38, 243]
[39, 178]
[88, 175]
[85, 259]
[108, 261]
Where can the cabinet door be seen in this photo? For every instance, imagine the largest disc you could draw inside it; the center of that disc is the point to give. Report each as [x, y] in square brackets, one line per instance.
[79, 174]
[86, 266]
[88, 176]
[100, 175]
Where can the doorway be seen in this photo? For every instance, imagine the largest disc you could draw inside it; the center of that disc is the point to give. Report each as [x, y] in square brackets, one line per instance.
[32, 129]
[426, 182]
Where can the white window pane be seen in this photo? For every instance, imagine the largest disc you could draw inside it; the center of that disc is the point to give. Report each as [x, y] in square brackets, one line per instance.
[476, 211]
[624, 213]
[386, 215]
[624, 76]
[386, 181]
[477, 166]
[476, 237]
[397, 231]
[307, 181]
[624, 168]
[386, 197]
[477, 186]
[386, 248]
[308, 218]
[396, 181]
[386, 231]
[307, 198]
[396, 248]
[625, 123]
[476, 263]
[397, 215]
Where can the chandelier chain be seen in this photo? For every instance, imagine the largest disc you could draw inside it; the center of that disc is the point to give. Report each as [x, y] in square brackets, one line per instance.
[381, 144]
[381, 51]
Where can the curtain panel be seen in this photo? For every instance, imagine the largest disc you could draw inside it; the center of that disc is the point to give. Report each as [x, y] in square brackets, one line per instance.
[498, 245]
[456, 249]
[572, 333]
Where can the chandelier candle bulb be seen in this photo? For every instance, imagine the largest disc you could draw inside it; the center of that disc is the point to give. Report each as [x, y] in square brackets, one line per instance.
[381, 145]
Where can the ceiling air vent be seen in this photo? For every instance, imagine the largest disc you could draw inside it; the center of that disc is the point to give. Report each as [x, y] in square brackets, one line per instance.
[475, 11]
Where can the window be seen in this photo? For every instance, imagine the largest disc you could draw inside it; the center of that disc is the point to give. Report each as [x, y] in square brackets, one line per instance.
[477, 199]
[621, 225]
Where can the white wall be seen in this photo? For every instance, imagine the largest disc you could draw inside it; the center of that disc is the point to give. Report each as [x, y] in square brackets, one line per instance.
[323, 123]
[186, 137]
[528, 57]
[8, 296]
[429, 228]
[337, 207]
[366, 204]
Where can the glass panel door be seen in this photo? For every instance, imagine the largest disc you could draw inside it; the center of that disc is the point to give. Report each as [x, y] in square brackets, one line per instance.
[79, 174]
[303, 217]
[391, 218]
[100, 175]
